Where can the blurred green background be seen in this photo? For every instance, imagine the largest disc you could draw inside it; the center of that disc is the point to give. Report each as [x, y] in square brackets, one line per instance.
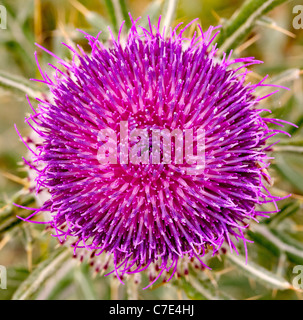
[50, 22]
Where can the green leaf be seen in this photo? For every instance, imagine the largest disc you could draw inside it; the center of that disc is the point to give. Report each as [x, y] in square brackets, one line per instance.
[85, 284]
[293, 142]
[8, 213]
[195, 290]
[44, 271]
[292, 247]
[60, 286]
[198, 286]
[263, 240]
[241, 23]
[287, 171]
[22, 40]
[112, 14]
[287, 210]
[125, 10]
[118, 12]
[271, 239]
[55, 285]
[260, 274]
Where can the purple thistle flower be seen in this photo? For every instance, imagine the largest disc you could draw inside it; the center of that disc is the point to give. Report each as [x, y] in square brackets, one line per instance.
[142, 215]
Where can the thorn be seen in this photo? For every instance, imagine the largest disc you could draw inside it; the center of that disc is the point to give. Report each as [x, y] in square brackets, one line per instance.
[66, 36]
[247, 43]
[4, 241]
[4, 207]
[211, 277]
[282, 30]
[274, 26]
[216, 16]
[29, 252]
[255, 75]
[16, 179]
[80, 7]
[192, 29]
[226, 270]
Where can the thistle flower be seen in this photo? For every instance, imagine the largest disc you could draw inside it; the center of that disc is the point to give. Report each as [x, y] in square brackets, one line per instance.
[143, 215]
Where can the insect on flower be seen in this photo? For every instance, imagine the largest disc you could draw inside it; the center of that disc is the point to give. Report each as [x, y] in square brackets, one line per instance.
[109, 104]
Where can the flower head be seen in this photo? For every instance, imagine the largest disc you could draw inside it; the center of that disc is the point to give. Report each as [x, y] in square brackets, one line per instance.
[104, 190]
